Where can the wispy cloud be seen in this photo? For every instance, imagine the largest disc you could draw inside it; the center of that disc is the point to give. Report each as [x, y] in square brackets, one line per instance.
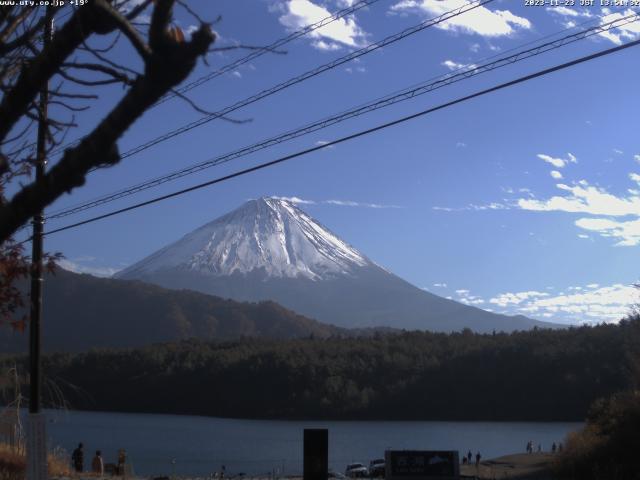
[475, 208]
[464, 296]
[629, 31]
[79, 265]
[324, 142]
[296, 14]
[339, 203]
[627, 232]
[451, 65]
[584, 198]
[590, 303]
[557, 161]
[296, 200]
[350, 203]
[569, 12]
[480, 21]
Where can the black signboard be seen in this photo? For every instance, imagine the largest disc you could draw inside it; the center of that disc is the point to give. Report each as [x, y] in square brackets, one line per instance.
[316, 454]
[425, 464]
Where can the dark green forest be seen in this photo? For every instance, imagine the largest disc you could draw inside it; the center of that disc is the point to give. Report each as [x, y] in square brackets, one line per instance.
[533, 375]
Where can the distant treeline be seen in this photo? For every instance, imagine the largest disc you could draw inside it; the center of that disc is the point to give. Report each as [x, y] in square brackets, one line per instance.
[534, 375]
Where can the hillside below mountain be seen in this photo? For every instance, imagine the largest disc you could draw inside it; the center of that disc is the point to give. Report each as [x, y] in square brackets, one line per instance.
[82, 312]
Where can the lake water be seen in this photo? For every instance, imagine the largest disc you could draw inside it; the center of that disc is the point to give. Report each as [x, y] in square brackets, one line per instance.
[200, 445]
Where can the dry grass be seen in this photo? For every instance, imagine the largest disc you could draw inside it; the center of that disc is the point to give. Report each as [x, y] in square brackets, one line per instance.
[13, 463]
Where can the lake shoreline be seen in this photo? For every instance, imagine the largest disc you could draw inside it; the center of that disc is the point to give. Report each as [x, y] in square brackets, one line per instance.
[320, 418]
[199, 446]
[519, 466]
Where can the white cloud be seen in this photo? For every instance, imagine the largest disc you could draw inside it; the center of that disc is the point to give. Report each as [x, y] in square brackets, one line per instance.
[618, 151]
[628, 31]
[77, 265]
[461, 145]
[324, 142]
[584, 198]
[480, 20]
[296, 200]
[451, 65]
[339, 203]
[589, 304]
[475, 208]
[297, 14]
[350, 203]
[627, 233]
[505, 299]
[556, 174]
[558, 162]
[326, 46]
[569, 12]
[440, 285]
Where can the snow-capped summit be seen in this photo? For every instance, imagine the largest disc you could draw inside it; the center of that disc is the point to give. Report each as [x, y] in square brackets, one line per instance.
[269, 234]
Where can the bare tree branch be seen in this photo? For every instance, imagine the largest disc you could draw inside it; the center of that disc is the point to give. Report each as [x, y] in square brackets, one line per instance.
[169, 63]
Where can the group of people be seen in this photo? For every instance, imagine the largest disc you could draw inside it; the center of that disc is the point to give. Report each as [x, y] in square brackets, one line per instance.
[97, 463]
[77, 459]
[554, 447]
[467, 459]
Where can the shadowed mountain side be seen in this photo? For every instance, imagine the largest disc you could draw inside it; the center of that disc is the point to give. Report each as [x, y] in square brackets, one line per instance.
[82, 312]
[370, 297]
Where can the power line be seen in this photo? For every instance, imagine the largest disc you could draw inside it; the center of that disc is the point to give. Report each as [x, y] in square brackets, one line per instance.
[403, 95]
[362, 133]
[307, 75]
[249, 57]
[270, 48]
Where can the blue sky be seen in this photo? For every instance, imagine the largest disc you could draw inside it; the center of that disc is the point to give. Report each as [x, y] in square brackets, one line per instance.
[524, 201]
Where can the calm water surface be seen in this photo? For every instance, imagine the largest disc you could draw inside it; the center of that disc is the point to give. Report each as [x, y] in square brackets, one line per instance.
[200, 445]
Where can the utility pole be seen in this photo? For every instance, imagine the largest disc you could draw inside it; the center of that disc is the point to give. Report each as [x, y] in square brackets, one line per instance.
[36, 438]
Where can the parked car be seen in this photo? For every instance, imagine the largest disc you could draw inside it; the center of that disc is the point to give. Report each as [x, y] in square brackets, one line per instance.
[356, 470]
[376, 468]
[332, 474]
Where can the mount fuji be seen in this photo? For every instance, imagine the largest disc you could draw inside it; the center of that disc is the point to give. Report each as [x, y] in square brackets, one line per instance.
[269, 249]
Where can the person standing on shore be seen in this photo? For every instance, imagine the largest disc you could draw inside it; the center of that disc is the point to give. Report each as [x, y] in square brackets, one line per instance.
[478, 457]
[97, 465]
[77, 457]
[469, 457]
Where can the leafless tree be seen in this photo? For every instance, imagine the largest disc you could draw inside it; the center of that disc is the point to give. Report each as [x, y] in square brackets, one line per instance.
[75, 69]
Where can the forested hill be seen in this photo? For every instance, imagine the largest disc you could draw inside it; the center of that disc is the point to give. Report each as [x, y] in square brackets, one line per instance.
[83, 312]
[536, 375]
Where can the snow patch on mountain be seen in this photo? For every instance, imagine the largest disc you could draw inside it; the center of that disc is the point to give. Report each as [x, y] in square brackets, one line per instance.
[267, 234]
